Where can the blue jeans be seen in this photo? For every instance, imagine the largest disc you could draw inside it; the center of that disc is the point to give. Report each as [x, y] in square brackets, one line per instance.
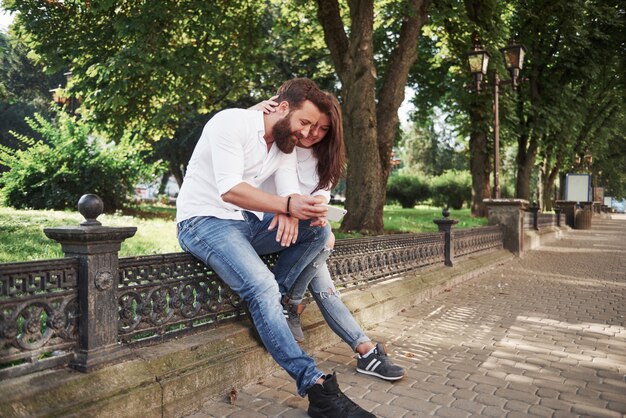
[231, 248]
[317, 277]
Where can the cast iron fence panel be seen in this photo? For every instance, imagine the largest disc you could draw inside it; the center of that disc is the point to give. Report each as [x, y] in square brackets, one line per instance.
[38, 315]
[169, 294]
[364, 260]
[469, 241]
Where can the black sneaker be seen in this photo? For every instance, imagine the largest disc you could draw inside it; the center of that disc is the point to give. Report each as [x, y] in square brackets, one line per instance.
[292, 312]
[328, 401]
[379, 365]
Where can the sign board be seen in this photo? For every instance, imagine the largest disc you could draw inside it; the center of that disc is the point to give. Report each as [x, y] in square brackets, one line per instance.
[607, 200]
[598, 194]
[578, 187]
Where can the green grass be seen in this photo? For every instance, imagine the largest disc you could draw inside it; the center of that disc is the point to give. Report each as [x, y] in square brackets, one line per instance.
[418, 219]
[22, 237]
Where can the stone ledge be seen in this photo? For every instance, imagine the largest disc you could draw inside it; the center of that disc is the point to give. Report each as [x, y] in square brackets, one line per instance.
[534, 239]
[174, 378]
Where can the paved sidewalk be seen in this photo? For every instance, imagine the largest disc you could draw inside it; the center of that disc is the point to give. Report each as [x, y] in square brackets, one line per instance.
[543, 335]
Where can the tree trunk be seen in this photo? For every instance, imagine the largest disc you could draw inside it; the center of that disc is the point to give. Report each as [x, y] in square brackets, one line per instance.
[177, 172]
[369, 124]
[364, 172]
[525, 162]
[548, 186]
[480, 164]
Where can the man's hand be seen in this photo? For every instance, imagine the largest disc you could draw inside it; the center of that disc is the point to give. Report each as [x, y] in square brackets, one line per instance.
[287, 232]
[306, 207]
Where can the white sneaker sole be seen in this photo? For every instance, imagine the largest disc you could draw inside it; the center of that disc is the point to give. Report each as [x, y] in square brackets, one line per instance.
[392, 378]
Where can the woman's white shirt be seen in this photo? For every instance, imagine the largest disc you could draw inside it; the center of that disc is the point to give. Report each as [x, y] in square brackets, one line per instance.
[307, 175]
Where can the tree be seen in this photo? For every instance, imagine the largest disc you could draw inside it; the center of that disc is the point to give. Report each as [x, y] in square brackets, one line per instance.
[160, 69]
[573, 50]
[70, 161]
[24, 91]
[569, 46]
[584, 112]
[147, 68]
[441, 80]
[430, 150]
[373, 67]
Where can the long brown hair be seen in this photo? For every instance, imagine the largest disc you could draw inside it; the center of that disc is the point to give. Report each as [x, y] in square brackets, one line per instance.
[330, 151]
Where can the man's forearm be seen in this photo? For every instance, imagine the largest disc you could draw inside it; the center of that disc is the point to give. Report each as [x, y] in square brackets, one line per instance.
[250, 198]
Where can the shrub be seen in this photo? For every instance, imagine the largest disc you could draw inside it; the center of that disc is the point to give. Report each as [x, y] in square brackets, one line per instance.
[407, 190]
[54, 172]
[452, 189]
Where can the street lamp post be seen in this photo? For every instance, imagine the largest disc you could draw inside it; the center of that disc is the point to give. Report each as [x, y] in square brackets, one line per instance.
[478, 60]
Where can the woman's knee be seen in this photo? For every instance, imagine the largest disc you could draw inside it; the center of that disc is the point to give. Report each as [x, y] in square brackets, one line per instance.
[330, 243]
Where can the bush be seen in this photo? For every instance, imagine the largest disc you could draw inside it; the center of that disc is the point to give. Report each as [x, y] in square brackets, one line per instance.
[407, 190]
[53, 173]
[452, 189]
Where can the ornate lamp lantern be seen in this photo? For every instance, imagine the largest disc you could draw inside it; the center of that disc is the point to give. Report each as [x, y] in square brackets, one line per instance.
[478, 60]
[514, 60]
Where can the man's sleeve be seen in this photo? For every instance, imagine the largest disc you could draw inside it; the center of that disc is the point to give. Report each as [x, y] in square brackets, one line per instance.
[227, 152]
[286, 177]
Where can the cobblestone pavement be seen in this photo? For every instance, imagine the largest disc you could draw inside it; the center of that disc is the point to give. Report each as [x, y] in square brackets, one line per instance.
[543, 335]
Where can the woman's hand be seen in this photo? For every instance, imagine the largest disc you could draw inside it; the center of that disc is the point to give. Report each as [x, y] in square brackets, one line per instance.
[321, 221]
[287, 232]
[266, 106]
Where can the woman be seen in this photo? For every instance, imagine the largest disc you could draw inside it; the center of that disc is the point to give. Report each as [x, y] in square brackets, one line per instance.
[321, 158]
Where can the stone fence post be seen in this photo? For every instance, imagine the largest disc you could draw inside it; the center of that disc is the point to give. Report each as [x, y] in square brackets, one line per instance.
[557, 211]
[96, 248]
[534, 209]
[446, 225]
[509, 213]
[568, 207]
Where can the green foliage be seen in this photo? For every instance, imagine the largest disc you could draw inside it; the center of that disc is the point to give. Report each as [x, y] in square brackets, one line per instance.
[24, 90]
[431, 149]
[407, 190]
[452, 189]
[143, 66]
[53, 173]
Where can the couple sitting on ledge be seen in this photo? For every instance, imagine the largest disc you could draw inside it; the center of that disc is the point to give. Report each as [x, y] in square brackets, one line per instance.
[255, 185]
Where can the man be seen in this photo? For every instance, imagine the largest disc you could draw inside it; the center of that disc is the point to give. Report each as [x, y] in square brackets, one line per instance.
[221, 222]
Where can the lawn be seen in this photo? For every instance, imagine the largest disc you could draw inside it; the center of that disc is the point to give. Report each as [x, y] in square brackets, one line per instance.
[22, 237]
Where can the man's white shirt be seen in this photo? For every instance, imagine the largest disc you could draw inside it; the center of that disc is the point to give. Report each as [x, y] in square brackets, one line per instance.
[232, 150]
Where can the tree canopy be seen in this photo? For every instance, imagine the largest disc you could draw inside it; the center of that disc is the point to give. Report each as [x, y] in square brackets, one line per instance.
[155, 72]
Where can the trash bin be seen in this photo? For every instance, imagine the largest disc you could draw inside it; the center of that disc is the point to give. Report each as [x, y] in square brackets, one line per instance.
[582, 219]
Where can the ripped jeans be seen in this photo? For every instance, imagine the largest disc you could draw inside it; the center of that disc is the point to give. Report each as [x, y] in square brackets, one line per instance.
[317, 277]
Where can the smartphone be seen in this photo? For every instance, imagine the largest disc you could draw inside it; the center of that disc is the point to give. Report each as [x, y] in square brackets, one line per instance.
[334, 214]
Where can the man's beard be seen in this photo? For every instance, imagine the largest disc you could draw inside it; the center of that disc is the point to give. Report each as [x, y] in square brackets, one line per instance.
[284, 138]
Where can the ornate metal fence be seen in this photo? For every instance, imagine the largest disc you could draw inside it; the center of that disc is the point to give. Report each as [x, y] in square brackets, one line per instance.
[166, 295]
[364, 260]
[38, 315]
[163, 296]
[469, 241]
